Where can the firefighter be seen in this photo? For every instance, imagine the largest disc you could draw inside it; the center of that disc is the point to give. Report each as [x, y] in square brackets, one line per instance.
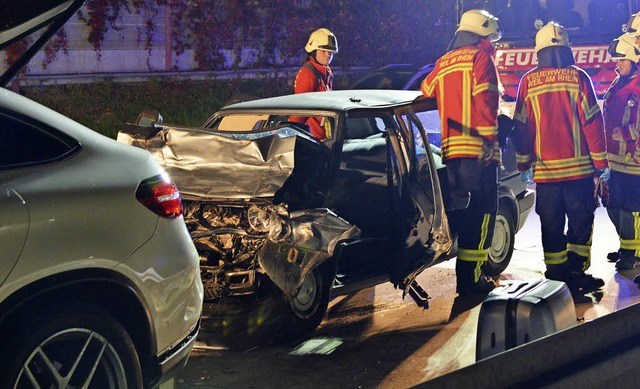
[622, 102]
[464, 82]
[315, 75]
[560, 135]
[634, 23]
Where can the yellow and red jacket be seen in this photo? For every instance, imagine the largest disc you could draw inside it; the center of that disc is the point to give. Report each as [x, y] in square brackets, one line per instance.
[464, 82]
[621, 114]
[559, 125]
[313, 77]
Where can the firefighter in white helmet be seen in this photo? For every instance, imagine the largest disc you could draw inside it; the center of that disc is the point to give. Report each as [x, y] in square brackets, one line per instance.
[560, 135]
[622, 127]
[315, 75]
[633, 25]
[464, 82]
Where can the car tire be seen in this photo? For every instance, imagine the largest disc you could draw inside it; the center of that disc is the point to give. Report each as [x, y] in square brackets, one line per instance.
[501, 249]
[56, 338]
[305, 311]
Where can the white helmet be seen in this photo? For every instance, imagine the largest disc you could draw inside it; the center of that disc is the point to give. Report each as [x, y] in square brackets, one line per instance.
[633, 25]
[552, 34]
[480, 22]
[625, 47]
[322, 39]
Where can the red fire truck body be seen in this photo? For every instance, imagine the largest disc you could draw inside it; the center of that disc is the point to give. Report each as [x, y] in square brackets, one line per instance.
[591, 24]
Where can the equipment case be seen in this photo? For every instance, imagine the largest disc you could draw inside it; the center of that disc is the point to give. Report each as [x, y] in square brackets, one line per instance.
[520, 312]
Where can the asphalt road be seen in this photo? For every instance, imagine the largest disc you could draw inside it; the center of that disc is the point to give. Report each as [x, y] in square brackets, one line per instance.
[374, 339]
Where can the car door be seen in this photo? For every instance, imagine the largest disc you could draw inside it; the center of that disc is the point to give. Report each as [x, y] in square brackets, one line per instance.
[14, 224]
[422, 222]
[360, 193]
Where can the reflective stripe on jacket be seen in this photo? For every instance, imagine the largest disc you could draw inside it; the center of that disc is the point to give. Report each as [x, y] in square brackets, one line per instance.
[621, 113]
[559, 125]
[464, 82]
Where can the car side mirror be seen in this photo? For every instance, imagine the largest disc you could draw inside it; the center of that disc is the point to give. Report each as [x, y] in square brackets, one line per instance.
[147, 118]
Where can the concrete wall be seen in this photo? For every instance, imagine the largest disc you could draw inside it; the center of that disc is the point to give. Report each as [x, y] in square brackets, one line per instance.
[123, 50]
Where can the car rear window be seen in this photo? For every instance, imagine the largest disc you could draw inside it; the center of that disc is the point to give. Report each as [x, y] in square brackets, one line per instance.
[26, 144]
[239, 123]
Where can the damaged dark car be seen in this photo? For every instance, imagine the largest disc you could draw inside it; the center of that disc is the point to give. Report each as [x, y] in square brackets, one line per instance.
[270, 207]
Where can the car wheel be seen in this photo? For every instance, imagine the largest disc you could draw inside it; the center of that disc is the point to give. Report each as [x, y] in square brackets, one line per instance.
[73, 346]
[501, 248]
[306, 310]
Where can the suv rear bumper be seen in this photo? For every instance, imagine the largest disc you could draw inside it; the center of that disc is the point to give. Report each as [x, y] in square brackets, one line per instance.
[174, 360]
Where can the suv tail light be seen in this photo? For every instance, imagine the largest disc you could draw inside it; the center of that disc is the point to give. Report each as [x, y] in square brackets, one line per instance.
[160, 195]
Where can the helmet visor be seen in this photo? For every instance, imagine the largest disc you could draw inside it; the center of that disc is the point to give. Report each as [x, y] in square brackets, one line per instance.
[332, 44]
[629, 24]
[620, 50]
[493, 25]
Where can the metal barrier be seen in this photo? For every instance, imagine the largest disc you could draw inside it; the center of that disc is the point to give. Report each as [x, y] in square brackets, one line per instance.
[604, 352]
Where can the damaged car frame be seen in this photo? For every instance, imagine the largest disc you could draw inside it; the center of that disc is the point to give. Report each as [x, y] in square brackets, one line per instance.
[268, 204]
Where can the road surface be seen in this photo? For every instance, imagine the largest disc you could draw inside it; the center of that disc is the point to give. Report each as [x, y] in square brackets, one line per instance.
[374, 339]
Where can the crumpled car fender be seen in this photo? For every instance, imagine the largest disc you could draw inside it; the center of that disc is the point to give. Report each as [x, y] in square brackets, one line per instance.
[314, 237]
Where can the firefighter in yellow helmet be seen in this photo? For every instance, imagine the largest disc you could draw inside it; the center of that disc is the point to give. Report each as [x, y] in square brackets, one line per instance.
[633, 25]
[560, 136]
[622, 127]
[464, 82]
[315, 75]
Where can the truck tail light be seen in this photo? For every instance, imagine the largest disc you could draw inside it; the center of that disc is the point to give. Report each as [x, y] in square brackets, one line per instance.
[161, 196]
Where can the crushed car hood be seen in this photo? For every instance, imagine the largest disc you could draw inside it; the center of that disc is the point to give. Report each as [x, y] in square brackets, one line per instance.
[222, 165]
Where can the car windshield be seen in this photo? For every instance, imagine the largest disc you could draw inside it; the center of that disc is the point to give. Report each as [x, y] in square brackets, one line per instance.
[251, 122]
[280, 132]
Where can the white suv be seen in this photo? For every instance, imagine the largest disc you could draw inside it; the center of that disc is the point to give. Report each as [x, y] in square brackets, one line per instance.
[99, 279]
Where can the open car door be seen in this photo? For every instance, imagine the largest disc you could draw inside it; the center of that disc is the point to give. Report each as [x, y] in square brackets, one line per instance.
[423, 224]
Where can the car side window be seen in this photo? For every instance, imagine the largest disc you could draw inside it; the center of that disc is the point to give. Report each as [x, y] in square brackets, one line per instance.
[364, 127]
[26, 144]
[431, 122]
[423, 152]
[365, 146]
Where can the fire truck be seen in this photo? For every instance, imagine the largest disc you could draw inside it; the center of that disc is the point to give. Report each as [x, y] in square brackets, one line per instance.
[591, 24]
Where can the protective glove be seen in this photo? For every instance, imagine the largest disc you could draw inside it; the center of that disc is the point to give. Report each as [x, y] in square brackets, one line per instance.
[527, 176]
[603, 174]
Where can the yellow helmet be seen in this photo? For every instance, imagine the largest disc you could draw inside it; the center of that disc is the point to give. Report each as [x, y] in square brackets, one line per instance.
[625, 47]
[552, 34]
[633, 25]
[322, 39]
[480, 22]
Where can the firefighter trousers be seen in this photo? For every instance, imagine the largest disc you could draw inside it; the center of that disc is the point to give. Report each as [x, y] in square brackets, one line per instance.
[624, 211]
[475, 223]
[569, 204]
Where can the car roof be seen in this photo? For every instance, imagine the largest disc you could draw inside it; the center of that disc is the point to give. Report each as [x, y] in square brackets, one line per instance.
[341, 100]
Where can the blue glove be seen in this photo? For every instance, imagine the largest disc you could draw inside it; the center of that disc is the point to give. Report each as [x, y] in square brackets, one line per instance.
[527, 176]
[603, 174]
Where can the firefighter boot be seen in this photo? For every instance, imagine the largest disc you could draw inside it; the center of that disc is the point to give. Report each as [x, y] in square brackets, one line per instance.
[558, 272]
[627, 260]
[470, 279]
[578, 281]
